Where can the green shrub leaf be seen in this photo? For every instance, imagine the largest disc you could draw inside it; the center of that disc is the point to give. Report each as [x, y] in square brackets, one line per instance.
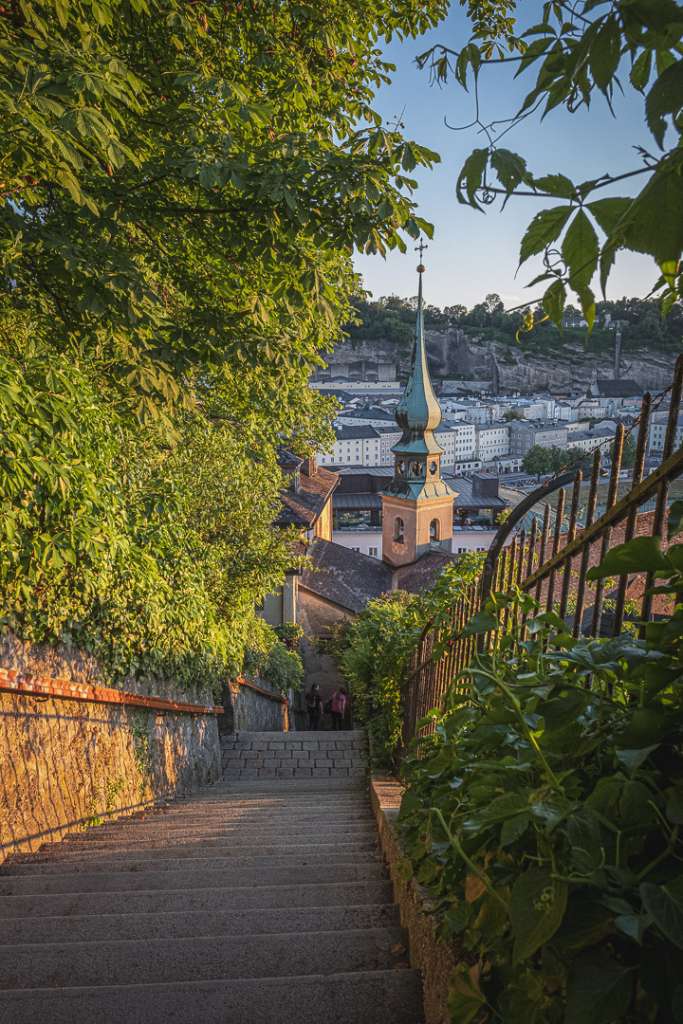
[643, 554]
[666, 912]
[599, 990]
[537, 908]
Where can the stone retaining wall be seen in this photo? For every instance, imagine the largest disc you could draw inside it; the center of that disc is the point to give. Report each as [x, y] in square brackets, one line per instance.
[429, 954]
[68, 764]
[253, 707]
[270, 755]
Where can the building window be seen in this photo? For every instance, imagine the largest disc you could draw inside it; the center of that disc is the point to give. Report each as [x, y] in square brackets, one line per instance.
[373, 552]
[434, 530]
[398, 530]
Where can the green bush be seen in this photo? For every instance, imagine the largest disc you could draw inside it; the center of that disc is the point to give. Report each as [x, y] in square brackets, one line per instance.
[283, 668]
[143, 543]
[375, 649]
[267, 657]
[291, 633]
[374, 655]
[543, 817]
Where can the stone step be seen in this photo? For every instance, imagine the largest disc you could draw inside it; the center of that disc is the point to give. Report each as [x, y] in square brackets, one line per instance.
[103, 927]
[298, 818]
[226, 897]
[372, 997]
[277, 798]
[150, 961]
[301, 772]
[185, 878]
[299, 860]
[248, 787]
[282, 795]
[356, 735]
[85, 852]
[251, 818]
[254, 833]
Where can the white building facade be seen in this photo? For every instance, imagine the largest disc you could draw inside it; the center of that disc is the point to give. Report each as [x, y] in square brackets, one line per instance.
[492, 441]
[657, 433]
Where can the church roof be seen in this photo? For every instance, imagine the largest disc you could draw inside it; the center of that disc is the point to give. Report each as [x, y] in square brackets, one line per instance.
[423, 574]
[618, 388]
[345, 577]
[302, 506]
[349, 579]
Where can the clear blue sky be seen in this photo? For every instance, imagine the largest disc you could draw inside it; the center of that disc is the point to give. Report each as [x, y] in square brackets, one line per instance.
[472, 253]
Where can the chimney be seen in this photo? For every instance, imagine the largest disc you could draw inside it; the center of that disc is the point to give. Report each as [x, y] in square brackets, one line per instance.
[310, 466]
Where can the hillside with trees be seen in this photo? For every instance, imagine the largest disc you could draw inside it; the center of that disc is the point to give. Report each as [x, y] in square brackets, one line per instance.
[391, 320]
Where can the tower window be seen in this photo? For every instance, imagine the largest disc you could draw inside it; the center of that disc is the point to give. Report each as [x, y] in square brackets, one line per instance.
[398, 530]
[434, 529]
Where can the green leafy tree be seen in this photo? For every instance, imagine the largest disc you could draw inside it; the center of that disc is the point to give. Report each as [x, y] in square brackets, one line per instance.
[182, 183]
[537, 460]
[182, 186]
[581, 52]
[628, 455]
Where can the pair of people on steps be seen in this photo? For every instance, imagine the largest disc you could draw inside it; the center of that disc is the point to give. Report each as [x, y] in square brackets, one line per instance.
[336, 706]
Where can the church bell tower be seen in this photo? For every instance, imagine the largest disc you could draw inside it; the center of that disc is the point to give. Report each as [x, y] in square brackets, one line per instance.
[417, 506]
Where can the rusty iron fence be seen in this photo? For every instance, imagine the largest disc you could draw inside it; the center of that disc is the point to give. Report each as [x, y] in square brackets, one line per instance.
[545, 548]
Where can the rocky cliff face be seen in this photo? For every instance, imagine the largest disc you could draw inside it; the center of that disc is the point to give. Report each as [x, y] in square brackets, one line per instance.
[455, 355]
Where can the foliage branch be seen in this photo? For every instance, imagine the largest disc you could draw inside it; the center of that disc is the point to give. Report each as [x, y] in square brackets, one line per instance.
[580, 51]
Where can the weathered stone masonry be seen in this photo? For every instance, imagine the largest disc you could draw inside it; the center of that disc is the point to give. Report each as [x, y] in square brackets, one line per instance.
[77, 763]
[268, 755]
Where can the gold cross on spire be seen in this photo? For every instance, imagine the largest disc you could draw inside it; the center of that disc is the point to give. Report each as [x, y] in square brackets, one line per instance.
[421, 248]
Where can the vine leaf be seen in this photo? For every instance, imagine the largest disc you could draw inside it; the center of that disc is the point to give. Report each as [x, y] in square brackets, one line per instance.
[599, 990]
[643, 227]
[510, 167]
[643, 554]
[556, 185]
[640, 72]
[605, 54]
[580, 251]
[554, 301]
[608, 212]
[536, 909]
[665, 911]
[471, 176]
[543, 230]
[665, 97]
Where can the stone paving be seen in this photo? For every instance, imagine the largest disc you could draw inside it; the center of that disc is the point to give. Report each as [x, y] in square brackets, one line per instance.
[294, 755]
[262, 899]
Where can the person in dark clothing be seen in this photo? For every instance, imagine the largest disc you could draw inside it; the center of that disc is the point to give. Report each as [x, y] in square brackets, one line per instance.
[338, 707]
[313, 706]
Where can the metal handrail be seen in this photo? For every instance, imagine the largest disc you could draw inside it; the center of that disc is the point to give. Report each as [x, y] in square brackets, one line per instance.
[539, 561]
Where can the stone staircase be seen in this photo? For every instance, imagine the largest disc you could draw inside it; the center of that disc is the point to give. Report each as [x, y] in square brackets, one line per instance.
[261, 900]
